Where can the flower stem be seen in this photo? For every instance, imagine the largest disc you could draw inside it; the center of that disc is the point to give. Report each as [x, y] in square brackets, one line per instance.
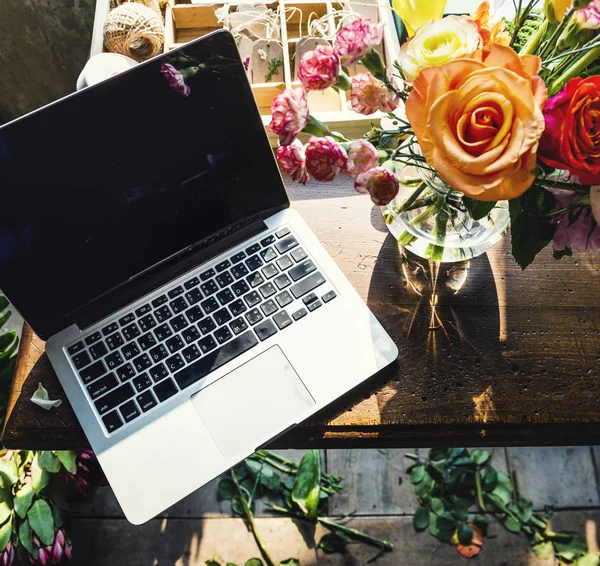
[534, 41]
[554, 38]
[412, 198]
[575, 69]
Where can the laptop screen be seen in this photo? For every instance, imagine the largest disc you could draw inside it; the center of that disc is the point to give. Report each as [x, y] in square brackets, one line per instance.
[108, 182]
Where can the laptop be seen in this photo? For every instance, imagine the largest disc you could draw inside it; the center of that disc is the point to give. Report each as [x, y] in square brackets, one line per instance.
[190, 314]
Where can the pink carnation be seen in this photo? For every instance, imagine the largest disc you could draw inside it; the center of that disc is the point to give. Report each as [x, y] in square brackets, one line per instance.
[362, 156]
[589, 17]
[319, 68]
[356, 38]
[325, 158]
[292, 159]
[175, 79]
[369, 94]
[573, 229]
[381, 183]
[290, 114]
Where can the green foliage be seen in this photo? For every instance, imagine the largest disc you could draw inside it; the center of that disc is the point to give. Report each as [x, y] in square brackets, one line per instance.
[274, 65]
[478, 209]
[307, 486]
[527, 29]
[333, 542]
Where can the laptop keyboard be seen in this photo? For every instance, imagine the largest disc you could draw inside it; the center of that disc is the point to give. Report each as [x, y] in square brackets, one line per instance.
[133, 364]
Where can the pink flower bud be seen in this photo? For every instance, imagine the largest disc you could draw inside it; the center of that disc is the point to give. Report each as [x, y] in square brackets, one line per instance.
[362, 156]
[325, 158]
[356, 38]
[319, 69]
[175, 79]
[290, 114]
[369, 94]
[589, 17]
[380, 183]
[292, 159]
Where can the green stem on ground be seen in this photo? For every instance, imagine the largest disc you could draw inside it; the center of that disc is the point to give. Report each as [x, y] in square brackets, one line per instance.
[478, 490]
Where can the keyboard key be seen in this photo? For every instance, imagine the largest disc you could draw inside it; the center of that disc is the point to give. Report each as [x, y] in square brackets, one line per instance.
[282, 319]
[240, 288]
[126, 319]
[190, 335]
[129, 411]
[254, 316]
[141, 382]
[267, 241]
[222, 316]
[302, 270]
[147, 341]
[146, 401]
[222, 266]
[255, 280]
[158, 372]
[253, 249]
[202, 367]
[163, 332]
[238, 325]
[282, 232]
[191, 283]
[130, 332]
[77, 347]
[299, 314]
[207, 274]
[238, 257]
[98, 350]
[268, 254]
[307, 284]
[329, 296]
[178, 305]
[125, 372]
[165, 389]
[284, 299]
[159, 301]
[225, 296]
[175, 344]
[265, 330]
[269, 307]
[298, 255]
[92, 338]
[209, 287]
[309, 298]
[163, 313]
[225, 279]
[147, 322]
[144, 309]
[237, 307]
[223, 334]
[158, 353]
[267, 290]
[112, 421]
[179, 322]
[239, 271]
[175, 292]
[286, 244]
[130, 351]
[113, 360]
[142, 362]
[254, 262]
[92, 372]
[81, 360]
[193, 296]
[252, 298]
[207, 325]
[210, 305]
[114, 398]
[314, 305]
[282, 281]
[207, 344]
[115, 341]
[175, 362]
[284, 262]
[191, 353]
[110, 329]
[270, 270]
[102, 386]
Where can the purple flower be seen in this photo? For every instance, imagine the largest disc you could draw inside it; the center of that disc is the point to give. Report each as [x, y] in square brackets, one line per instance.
[7, 556]
[246, 63]
[379, 182]
[573, 230]
[89, 473]
[57, 554]
[175, 79]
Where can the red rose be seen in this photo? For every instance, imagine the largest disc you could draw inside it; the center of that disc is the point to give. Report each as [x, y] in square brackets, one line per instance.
[571, 139]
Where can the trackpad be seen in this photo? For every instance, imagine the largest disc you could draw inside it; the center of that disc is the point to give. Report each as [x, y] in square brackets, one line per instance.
[248, 406]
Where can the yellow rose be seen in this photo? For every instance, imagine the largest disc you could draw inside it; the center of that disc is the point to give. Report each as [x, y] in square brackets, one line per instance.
[555, 10]
[438, 42]
[415, 13]
[478, 121]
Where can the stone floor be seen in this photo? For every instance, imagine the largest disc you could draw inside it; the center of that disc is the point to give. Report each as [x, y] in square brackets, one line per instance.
[198, 527]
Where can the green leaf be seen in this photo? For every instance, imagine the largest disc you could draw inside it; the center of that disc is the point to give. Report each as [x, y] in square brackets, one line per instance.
[465, 533]
[3, 302]
[436, 505]
[433, 528]
[421, 519]
[23, 500]
[543, 550]
[254, 562]
[290, 562]
[39, 476]
[417, 474]
[49, 461]
[68, 458]
[308, 483]
[212, 562]
[490, 479]
[58, 516]
[9, 471]
[237, 505]
[478, 209]
[41, 521]
[226, 489]
[504, 488]
[460, 510]
[241, 470]
[424, 488]
[480, 457]
[5, 511]
[512, 524]
[26, 538]
[481, 522]
[437, 454]
[5, 532]
[589, 560]
[288, 483]
[559, 254]
[230, 564]
[270, 479]
[524, 510]
[571, 550]
[335, 541]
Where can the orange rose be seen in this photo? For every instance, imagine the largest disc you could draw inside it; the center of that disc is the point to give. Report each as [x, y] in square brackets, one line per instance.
[478, 120]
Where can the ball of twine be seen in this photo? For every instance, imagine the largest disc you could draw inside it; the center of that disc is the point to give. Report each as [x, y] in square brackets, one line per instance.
[134, 30]
[154, 4]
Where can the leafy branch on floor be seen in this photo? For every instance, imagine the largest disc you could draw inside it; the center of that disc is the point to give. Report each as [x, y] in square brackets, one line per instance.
[304, 495]
[449, 482]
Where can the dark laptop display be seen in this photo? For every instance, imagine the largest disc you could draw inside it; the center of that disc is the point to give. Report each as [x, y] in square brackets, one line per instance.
[107, 182]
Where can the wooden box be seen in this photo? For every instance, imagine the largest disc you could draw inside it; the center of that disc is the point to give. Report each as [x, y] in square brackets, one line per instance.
[186, 20]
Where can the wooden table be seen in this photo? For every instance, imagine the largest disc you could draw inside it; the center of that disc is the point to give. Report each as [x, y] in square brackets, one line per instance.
[515, 358]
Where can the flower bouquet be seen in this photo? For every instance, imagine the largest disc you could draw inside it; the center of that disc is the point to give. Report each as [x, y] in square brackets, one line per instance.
[480, 122]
